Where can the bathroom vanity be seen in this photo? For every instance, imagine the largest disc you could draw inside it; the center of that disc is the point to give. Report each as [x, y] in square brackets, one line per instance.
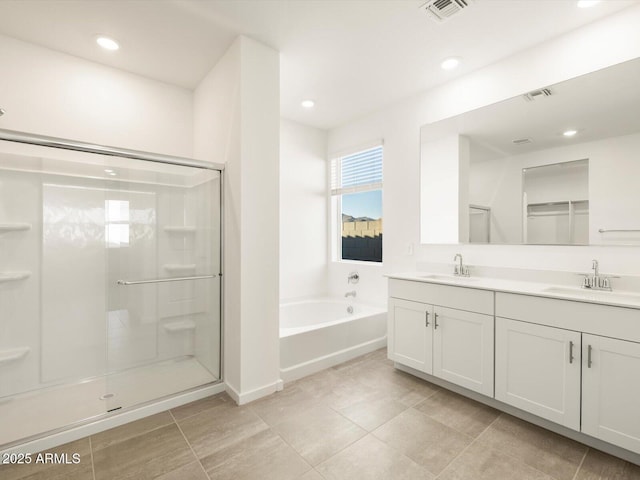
[565, 358]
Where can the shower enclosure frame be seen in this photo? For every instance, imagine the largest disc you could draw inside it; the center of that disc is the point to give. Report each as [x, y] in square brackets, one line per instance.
[109, 420]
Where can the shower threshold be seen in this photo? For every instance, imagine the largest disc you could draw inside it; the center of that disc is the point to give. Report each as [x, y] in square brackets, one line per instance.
[39, 412]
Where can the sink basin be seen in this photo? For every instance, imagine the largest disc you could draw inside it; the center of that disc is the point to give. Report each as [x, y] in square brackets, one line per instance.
[597, 295]
[448, 278]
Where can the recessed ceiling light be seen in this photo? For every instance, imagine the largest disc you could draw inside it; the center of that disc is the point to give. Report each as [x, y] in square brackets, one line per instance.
[107, 43]
[113, 173]
[587, 3]
[108, 170]
[450, 63]
[570, 133]
[308, 103]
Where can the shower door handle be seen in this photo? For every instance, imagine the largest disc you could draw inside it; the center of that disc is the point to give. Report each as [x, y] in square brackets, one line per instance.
[162, 280]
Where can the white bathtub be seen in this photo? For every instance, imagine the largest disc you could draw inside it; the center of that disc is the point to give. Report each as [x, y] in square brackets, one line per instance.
[319, 333]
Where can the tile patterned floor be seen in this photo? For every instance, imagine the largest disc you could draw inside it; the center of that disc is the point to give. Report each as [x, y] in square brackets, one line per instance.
[359, 420]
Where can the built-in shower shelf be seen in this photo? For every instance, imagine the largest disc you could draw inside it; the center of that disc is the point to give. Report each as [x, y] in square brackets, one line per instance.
[179, 229]
[13, 354]
[179, 267]
[14, 227]
[13, 276]
[181, 326]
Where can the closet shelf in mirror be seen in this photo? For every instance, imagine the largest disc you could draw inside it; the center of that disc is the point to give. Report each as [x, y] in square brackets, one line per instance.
[179, 229]
[14, 227]
[13, 354]
[13, 276]
[179, 268]
[566, 207]
[180, 326]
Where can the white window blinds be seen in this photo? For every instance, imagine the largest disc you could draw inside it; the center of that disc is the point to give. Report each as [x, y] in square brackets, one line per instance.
[358, 172]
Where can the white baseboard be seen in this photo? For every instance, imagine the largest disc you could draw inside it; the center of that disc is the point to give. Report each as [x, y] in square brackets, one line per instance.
[126, 416]
[242, 398]
[312, 366]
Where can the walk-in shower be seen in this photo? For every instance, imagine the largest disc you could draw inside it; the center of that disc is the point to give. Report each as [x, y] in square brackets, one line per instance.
[110, 282]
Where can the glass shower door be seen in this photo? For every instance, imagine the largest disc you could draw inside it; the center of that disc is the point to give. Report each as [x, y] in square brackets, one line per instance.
[109, 286]
[162, 242]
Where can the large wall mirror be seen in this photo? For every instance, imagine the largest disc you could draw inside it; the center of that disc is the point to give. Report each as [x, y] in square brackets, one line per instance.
[556, 166]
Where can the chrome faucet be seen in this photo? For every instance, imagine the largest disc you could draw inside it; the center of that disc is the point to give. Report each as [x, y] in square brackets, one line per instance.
[460, 270]
[596, 281]
[352, 293]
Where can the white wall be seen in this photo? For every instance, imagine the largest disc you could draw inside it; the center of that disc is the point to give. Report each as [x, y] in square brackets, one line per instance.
[303, 211]
[216, 138]
[51, 93]
[237, 121]
[439, 198]
[595, 46]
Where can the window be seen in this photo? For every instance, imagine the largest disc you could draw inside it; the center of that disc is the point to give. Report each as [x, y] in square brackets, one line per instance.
[356, 199]
[116, 226]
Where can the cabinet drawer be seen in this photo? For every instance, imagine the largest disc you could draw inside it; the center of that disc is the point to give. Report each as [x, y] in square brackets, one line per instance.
[461, 298]
[605, 320]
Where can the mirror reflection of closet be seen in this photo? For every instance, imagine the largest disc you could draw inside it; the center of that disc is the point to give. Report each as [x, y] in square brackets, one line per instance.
[555, 204]
[479, 224]
[477, 159]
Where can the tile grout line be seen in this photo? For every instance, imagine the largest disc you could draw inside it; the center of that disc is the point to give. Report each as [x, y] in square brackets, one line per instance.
[454, 458]
[584, 457]
[474, 440]
[270, 427]
[93, 466]
[190, 447]
[311, 467]
[514, 456]
[210, 408]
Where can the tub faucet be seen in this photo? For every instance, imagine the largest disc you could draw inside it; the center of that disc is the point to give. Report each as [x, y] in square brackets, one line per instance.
[460, 270]
[352, 293]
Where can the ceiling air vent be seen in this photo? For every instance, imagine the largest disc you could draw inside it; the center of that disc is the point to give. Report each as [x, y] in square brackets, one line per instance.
[522, 141]
[536, 94]
[441, 10]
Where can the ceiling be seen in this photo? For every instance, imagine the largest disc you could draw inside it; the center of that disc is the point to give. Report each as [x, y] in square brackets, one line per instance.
[350, 56]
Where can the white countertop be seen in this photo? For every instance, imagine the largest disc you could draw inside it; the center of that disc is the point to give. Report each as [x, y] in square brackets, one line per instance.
[617, 298]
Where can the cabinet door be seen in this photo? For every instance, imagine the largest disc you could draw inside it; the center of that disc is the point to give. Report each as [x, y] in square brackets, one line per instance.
[610, 390]
[538, 370]
[463, 349]
[410, 334]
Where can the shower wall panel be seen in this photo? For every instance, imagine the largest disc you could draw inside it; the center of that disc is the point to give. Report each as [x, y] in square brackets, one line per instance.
[73, 281]
[19, 306]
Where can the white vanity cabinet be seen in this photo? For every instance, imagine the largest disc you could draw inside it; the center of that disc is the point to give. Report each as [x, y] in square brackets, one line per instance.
[538, 370]
[409, 336]
[611, 390]
[443, 331]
